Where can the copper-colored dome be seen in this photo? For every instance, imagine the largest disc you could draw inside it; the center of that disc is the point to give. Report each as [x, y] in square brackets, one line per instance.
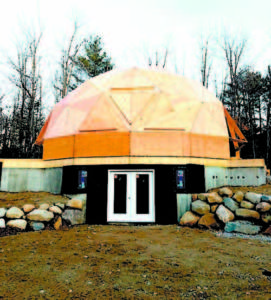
[137, 112]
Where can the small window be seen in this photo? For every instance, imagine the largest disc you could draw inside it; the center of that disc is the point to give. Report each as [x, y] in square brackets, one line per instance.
[180, 179]
[82, 179]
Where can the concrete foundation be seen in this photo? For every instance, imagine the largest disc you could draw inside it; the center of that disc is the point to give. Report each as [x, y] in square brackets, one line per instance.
[183, 204]
[34, 180]
[247, 176]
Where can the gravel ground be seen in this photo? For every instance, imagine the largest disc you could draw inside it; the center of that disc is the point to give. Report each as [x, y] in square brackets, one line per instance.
[258, 237]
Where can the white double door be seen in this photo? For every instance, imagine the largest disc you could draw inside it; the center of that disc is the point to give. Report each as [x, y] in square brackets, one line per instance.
[130, 196]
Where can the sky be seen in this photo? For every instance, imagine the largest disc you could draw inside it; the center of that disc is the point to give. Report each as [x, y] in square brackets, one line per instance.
[132, 30]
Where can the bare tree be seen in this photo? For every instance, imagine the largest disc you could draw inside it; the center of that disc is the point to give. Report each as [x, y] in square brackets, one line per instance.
[160, 60]
[63, 77]
[206, 63]
[27, 110]
[233, 52]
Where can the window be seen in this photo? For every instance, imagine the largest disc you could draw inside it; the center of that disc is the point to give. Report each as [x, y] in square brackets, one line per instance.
[82, 179]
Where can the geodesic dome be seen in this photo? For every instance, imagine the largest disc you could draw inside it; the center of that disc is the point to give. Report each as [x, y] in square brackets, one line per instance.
[138, 112]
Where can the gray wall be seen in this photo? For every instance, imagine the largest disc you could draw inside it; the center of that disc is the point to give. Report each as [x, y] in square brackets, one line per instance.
[34, 180]
[217, 177]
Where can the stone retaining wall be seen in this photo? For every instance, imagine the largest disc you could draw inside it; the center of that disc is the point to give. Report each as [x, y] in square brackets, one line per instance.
[248, 213]
[31, 218]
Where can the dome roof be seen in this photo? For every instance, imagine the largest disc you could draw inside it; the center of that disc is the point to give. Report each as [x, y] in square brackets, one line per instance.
[135, 101]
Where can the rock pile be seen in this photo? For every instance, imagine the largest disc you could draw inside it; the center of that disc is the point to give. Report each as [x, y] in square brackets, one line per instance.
[31, 218]
[248, 213]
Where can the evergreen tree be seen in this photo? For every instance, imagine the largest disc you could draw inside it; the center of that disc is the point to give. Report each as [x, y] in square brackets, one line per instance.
[92, 61]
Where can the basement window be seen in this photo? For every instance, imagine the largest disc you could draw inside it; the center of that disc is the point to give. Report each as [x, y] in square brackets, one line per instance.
[82, 179]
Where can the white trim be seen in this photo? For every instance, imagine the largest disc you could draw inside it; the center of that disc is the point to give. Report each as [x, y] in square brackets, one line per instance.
[130, 215]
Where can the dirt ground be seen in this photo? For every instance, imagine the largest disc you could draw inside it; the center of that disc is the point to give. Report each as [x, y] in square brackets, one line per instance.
[130, 262]
[19, 199]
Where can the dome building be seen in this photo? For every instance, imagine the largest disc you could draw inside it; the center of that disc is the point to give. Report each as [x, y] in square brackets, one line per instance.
[139, 143]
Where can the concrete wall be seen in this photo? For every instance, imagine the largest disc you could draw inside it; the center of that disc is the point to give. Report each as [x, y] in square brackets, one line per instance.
[34, 180]
[183, 204]
[248, 176]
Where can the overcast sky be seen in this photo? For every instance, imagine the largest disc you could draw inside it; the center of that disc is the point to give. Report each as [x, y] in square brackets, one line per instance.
[133, 30]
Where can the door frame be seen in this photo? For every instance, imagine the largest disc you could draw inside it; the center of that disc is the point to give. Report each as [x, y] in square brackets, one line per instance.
[129, 217]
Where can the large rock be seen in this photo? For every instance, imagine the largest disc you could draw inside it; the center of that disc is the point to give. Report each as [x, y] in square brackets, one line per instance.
[224, 214]
[247, 204]
[247, 213]
[27, 208]
[263, 207]
[58, 223]
[21, 224]
[267, 231]
[55, 210]
[214, 198]
[75, 203]
[3, 212]
[203, 196]
[40, 215]
[74, 216]
[242, 227]
[44, 206]
[253, 197]
[2, 223]
[238, 196]
[266, 218]
[213, 208]
[225, 192]
[189, 219]
[266, 198]
[208, 221]
[14, 213]
[37, 226]
[61, 205]
[200, 207]
[230, 204]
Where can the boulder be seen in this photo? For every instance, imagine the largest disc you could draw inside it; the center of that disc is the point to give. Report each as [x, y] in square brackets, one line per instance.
[230, 204]
[189, 219]
[75, 203]
[266, 198]
[247, 204]
[44, 206]
[242, 227]
[225, 192]
[267, 231]
[208, 221]
[238, 196]
[20, 224]
[253, 197]
[214, 198]
[2, 223]
[247, 213]
[194, 197]
[58, 223]
[55, 210]
[74, 216]
[224, 214]
[28, 208]
[203, 196]
[3, 212]
[14, 213]
[263, 207]
[213, 208]
[40, 215]
[37, 226]
[266, 218]
[200, 207]
[61, 205]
